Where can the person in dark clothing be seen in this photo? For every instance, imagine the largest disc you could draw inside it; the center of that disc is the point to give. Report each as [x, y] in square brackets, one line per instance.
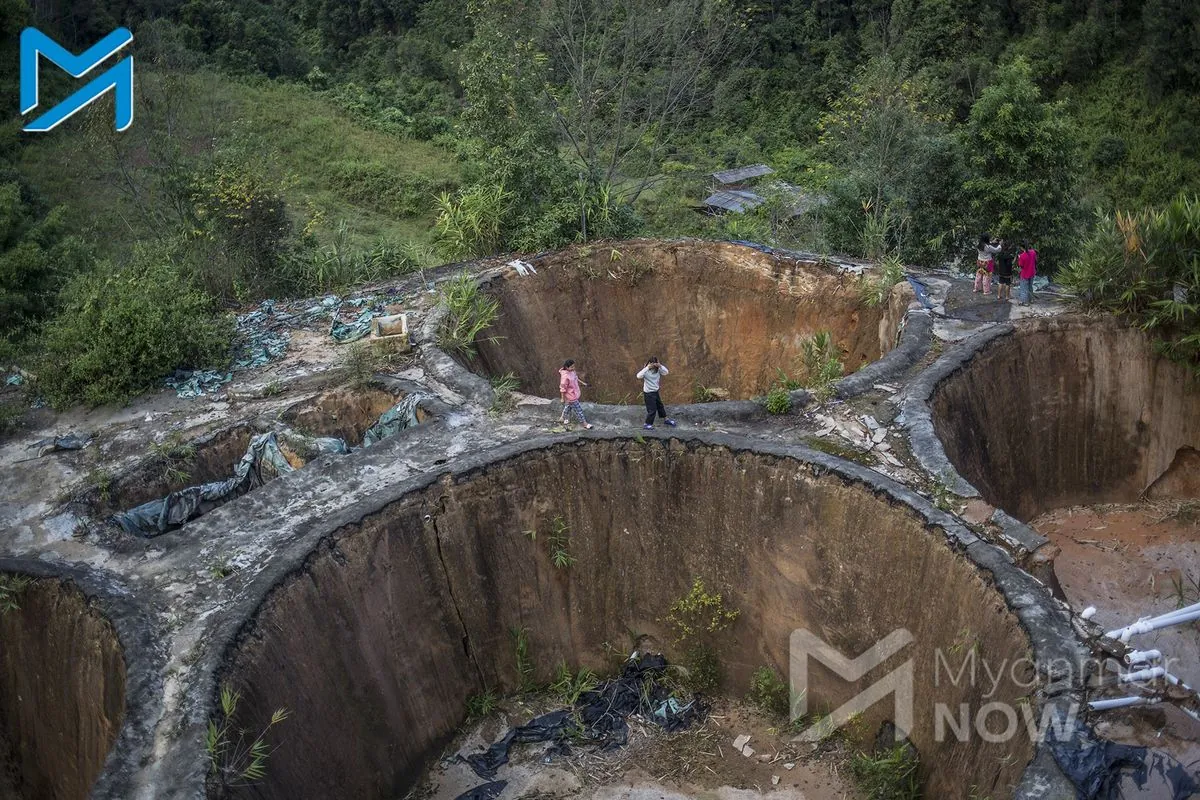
[650, 376]
[1004, 273]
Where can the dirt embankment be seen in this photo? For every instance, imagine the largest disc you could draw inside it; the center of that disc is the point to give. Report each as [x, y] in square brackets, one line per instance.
[1069, 412]
[62, 693]
[721, 316]
[376, 643]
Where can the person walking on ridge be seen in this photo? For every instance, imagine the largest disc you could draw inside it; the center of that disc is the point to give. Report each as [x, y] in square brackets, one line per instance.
[1027, 263]
[651, 375]
[568, 389]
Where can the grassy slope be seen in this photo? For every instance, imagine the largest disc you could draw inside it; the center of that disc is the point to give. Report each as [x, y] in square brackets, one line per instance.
[379, 184]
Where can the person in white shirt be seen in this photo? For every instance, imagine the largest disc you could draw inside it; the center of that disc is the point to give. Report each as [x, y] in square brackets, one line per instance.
[650, 376]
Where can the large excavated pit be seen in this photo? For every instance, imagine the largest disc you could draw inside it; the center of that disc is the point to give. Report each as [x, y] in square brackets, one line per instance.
[721, 316]
[62, 690]
[342, 413]
[375, 643]
[1068, 412]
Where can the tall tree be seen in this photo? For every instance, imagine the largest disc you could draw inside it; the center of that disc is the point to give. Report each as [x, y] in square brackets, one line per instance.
[627, 76]
[1023, 162]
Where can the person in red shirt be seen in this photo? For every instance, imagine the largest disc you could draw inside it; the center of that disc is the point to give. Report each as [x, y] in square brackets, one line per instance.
[1027, 264]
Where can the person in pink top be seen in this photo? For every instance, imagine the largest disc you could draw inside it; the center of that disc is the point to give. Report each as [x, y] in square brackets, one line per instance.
[1027, 264]
[985, 264]
[568, 389]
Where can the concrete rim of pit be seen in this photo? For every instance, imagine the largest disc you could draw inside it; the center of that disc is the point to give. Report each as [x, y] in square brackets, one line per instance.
[914, 341]
[1058, 653]
[145, 658]
[916, 412]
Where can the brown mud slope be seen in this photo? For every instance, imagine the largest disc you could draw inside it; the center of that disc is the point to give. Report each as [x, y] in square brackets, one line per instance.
[62, 693]
[210, 458]
[1069, 412]
[718, 315]
[344, 413]
[377, 642]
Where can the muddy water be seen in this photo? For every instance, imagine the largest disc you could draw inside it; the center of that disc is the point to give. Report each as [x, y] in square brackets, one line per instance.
[1131, 562]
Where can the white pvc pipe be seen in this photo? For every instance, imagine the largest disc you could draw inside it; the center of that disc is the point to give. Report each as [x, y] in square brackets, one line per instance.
[1122, 702]
[1146, 625]
[1142, 656]
[1142, 675]
[1168, 615]
[1177, 612]
[1172, 679]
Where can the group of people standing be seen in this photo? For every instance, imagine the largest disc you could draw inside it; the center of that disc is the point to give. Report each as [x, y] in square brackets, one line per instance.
[650, 376]
[996, 257]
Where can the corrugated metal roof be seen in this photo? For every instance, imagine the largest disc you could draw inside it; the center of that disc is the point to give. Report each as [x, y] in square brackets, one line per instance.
[742, 173]
[733, 200]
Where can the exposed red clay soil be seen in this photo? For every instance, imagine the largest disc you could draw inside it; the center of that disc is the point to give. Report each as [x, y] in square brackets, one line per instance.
[1131, 562]
[1070, 411]
[719, 315]
[413, 606]
[62, 693]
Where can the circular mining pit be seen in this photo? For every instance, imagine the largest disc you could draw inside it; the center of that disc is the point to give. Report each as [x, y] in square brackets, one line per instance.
[1068, 412]
[62, 689]
[377, 640]
[723, 317]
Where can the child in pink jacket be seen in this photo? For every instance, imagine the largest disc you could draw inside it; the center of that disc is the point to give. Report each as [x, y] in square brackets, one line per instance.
[568, 389]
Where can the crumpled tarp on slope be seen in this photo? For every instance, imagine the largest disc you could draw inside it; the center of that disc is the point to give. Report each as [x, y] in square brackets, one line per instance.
[1098, 768]
[72, 441]
[264, 334]
[599, 716]
[399, 417]
[262, 461]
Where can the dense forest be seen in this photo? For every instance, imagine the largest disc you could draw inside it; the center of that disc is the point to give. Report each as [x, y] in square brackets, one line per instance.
[298, 147]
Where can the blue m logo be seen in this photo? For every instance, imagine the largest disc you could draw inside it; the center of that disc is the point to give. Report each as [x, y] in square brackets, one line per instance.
[119, 77]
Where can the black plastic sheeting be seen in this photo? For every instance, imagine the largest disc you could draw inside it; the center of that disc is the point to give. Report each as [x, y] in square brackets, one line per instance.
[1098, 768]
[262, 461]
[488, 791]
[598, 717]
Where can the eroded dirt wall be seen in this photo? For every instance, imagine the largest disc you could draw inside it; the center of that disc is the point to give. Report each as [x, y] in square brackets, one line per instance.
[376, 644]
[718, 315]
[1067, 412]
[345, 413]
[62, 692]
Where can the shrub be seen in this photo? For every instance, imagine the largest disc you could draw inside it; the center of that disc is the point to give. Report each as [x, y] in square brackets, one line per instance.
[769, 692]
[11, 589]
[699, 612]
[822, 364]
[469, 310]
[875, 291]
[1146, 265]
[890, 775]
[470, 223]
[121, 331]
[778, 401]
[235, 759]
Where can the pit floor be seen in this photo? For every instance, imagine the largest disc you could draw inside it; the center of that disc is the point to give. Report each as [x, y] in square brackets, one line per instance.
[1132, 561]
[699, 762]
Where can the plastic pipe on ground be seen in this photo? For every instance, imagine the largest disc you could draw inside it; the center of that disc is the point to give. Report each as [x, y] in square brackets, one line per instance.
[1143, 675]
[1146, 626]
[1142, 656]
[1122, 702]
